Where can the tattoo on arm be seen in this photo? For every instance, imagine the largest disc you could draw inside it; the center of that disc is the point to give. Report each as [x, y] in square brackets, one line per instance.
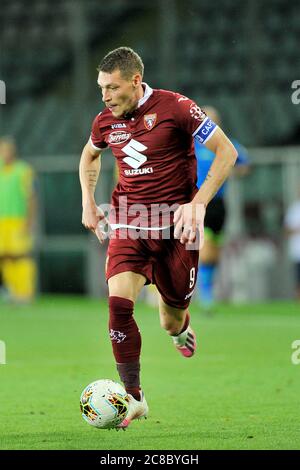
[209, 175]
[92, 178]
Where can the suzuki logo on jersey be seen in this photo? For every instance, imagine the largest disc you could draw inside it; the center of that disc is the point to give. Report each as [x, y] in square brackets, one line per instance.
[150, 120]
[135, 158]
[139, 171]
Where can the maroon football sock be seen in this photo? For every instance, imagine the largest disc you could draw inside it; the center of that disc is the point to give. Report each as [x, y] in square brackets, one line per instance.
[130, 375]
[126, 343]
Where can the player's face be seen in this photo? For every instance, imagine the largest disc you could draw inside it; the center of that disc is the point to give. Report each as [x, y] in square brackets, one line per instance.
[120, 95]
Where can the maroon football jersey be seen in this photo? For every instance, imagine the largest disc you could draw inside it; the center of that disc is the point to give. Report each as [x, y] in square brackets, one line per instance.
[154, 151]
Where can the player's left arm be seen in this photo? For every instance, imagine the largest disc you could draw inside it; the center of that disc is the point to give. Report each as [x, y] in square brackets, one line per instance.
[190, 217]
[221, 167]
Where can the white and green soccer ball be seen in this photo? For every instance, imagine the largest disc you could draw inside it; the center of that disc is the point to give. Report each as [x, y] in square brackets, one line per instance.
[104, 404]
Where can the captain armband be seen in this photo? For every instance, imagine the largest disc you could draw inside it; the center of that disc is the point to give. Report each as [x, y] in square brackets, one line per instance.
[204, 132]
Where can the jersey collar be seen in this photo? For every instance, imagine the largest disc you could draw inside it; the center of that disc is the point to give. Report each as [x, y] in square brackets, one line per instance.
[147, 93]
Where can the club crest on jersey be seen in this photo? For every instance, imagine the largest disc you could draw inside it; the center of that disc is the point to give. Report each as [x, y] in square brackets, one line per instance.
[150, 121]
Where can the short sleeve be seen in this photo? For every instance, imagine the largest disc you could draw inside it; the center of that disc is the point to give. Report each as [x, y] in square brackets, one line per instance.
[192, 119]
[96, 137]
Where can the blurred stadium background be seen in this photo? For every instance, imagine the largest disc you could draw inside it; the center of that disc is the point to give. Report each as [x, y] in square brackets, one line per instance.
[241, 57]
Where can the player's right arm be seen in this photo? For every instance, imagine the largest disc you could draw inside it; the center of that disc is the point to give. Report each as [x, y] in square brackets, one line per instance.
[89, 170]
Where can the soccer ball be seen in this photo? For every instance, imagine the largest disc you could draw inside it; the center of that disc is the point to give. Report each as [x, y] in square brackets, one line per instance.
[104, 404]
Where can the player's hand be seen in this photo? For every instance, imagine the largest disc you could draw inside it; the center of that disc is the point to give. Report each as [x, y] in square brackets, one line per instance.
[188, 219]
[103, 228]
[93, 218]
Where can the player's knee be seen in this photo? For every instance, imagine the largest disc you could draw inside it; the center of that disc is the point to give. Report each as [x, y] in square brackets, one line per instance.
[125, 285]
[119, 307]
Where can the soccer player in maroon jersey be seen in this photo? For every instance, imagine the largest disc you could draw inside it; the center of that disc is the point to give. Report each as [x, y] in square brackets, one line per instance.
[150, 133]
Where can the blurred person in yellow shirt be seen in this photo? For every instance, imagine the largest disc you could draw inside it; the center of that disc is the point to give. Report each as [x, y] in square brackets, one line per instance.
[17, 215]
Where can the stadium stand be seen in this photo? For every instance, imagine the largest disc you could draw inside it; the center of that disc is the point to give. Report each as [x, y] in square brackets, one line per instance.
[209, 51]
[212, 53]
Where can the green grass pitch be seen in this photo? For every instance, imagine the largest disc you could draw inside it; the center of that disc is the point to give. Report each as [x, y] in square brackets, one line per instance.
[241, 390]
